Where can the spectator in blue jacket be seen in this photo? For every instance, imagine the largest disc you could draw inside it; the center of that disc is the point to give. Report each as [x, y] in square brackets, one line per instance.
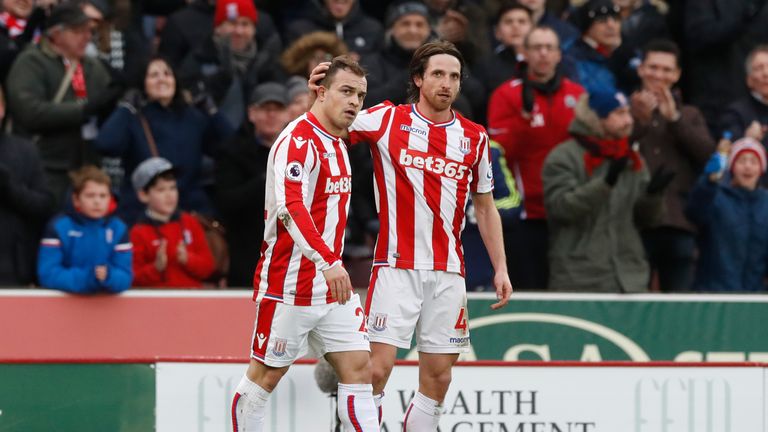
[589, 60]
[731, 216]
[157, 122]
[86, 250]
[507, 199]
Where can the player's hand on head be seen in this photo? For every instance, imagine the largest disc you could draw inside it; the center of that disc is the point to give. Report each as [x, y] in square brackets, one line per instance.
[317, 74]
[339, 283]
[503, 289]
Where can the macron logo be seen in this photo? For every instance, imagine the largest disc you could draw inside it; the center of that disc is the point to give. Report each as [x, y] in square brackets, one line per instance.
[413, 130]
[343, 185]
[300, 142]
[261, 339]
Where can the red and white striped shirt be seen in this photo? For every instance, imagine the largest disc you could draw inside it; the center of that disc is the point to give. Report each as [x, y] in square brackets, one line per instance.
[423, 173]
[306, 205]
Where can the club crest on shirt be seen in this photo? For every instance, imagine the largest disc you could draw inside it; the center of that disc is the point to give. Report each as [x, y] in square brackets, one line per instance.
[294, 171]
[378, 322]
[279, 349]
[464, 146]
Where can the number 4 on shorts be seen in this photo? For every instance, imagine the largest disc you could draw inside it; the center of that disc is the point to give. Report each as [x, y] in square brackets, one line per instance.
[461, 323]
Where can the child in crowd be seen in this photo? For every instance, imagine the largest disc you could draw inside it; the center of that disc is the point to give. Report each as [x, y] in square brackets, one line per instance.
[86, 250]
[731, 215]
[170, 249]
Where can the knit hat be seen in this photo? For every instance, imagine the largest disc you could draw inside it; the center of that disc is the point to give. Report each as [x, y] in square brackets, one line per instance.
[591, 11]
[399, 10]
[747, 144]
[296, 85]
[230, 10]
[603, 101]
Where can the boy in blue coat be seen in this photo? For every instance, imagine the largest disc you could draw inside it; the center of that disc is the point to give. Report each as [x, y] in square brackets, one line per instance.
[86, 250]
[731, 215]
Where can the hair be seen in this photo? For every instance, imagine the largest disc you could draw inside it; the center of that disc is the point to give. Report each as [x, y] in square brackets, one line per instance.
[421, 56]
[662, 46]
[526, 41]
[762, 48]
[342, 62]
[88, 173]
[165, 175]
[178, 96]
[295, 58]
[510, 5]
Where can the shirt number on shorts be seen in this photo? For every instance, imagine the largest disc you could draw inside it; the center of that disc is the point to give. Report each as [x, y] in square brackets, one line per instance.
[359, 311]
[461, 323]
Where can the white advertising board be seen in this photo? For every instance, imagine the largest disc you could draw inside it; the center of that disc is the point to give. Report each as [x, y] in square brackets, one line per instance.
[197, 397]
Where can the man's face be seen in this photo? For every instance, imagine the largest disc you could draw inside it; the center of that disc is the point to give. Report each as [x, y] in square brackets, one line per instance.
[411, 31]
[536, 6]
[241, 32]
[268, 119]
[343, 99]
[162, 198]
[746, 170]
[72, 41]
[18, 8]
[618, 124]
[658, 71]
[757, 80]
[543, 53]
[339, 9]
[606, 30]
[513, 27]
[93, 200]
[439, 86]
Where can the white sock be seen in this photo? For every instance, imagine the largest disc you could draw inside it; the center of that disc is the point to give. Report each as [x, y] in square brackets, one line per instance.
[249, 407]
[378, 401]
[423, 414]
[357, 411]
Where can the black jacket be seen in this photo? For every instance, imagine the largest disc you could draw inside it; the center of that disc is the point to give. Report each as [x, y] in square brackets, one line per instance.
[496, 68]
[361, 33]
[241, 177]
[387, 74]
[718, 36]
[25, 205]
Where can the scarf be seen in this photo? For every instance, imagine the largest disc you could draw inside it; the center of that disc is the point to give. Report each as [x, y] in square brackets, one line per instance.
[78, 81]
[599, 150]
[14, 25]
[547, 88]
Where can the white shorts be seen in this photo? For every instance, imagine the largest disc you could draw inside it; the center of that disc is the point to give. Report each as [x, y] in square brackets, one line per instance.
[283, 333]
[433, 303]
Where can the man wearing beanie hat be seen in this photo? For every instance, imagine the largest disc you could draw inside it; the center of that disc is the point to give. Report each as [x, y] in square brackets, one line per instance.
[230, 63]
[189, 27]
[407, 29]
[731, 215]
[597, 191]
[600, 26]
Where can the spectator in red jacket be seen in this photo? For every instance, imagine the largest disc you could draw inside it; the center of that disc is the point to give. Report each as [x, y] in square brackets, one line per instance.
[529, 117]
[170, 249]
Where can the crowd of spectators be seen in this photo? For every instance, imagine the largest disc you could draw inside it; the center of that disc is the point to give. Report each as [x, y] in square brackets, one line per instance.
[628, 136]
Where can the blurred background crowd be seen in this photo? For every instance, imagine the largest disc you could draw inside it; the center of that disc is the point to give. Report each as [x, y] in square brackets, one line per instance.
[628, 135]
